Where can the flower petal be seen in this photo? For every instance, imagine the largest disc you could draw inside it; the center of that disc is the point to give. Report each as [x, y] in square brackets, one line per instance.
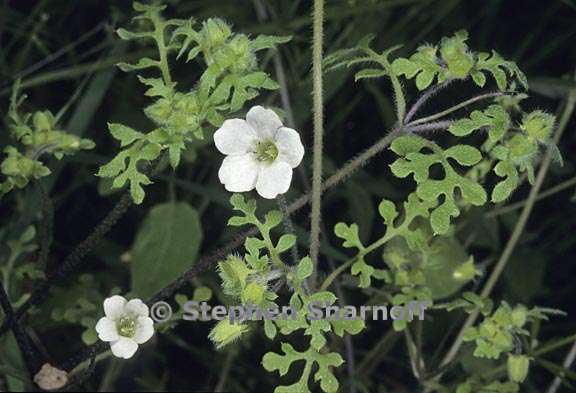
[144, 331]
[124, 348]
[274, 179]
[136, 307]
[264, 121]
[106, 329]
[238, 173]
[290, 146]
[114, 307]
[235, 136]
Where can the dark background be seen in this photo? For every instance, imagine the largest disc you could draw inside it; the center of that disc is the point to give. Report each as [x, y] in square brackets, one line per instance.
[538, 35]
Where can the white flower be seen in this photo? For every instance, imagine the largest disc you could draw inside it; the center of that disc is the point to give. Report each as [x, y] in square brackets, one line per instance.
[261, 153]
[125, 326]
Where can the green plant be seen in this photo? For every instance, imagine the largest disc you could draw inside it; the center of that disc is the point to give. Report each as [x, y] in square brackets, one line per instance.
[230, 79]
[424, 228]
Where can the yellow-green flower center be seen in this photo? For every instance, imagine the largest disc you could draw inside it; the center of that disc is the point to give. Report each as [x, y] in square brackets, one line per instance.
[266, 151]
[126, 326]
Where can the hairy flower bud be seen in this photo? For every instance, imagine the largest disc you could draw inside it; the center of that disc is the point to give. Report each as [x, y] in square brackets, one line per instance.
[253, 293]
[455, 53]
[233, 272]
[225, 332]
[216, 32]
[538, 125]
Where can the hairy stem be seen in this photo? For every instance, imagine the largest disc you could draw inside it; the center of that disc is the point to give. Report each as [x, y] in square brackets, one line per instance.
[454, 108]
[438, 125]
[163, 52]
[423, 99]
[399, 98]
[318, 33]
[29, 353]
[75, 257]
[517, 232]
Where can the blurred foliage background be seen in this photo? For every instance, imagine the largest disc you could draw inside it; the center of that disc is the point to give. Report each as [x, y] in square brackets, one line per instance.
[64, 52]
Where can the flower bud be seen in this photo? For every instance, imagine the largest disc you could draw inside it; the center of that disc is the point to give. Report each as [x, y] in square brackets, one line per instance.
[233, 272]
[225, 332]
[253, 293]
[159, 112]
[538, 125]
[244, 58]
[521, 147]
[455, 53]
[216, 32]
[519, 315]
[518, 366]
[43, 121]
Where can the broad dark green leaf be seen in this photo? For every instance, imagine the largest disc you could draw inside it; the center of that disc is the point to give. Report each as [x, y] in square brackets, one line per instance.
[166, 245]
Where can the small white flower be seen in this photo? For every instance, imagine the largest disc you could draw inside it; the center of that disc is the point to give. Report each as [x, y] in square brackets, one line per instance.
[261, 153]
[125, 326]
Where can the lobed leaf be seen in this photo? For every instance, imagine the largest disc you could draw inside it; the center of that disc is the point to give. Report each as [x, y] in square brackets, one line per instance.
[430, 190]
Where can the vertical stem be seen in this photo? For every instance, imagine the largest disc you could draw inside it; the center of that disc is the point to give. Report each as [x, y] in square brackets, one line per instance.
[399, 99]
[318, 34]
[225, 371]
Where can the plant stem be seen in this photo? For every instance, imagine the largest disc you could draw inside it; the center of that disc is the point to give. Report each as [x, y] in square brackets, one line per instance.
[160, 41]
[429, 93]
[335, 273]
[318, 33]
[225, 371]
[455, 108]
[28, 351]
[265, 232]
[412, 353]
[75, 257]
[517, 232]
[378, 352]
[361, 254]
[7, 271]
[438, 125]
[399, 98]
[566, 364]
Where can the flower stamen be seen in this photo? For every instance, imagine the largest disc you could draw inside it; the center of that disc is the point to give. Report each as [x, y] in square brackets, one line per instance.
[126, 326]
[266, 151]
